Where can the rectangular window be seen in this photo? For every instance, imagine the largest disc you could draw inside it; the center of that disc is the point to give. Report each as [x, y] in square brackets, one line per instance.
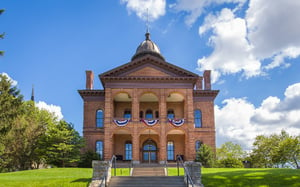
[99, 149]
[198, 118]
[170, 150]
[128, 151]
[99, 119]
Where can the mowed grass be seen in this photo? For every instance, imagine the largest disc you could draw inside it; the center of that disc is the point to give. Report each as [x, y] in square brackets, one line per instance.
[55, 177]
[212, 177]
[243, 177]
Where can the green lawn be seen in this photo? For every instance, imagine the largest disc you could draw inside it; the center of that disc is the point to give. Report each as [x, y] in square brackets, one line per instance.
[56, 177]
[212, 177]
[251, 177]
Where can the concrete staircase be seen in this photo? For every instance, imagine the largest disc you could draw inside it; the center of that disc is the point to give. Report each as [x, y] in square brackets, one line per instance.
[146, 181]
[151, 171]
[147, 176]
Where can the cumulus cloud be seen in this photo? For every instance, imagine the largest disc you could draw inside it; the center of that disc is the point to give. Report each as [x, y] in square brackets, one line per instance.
[154, 8]
[55, 110]
[273, 26]
[195, 8]
[13, 82]
[240, 121]
[232, 51]
[266, 38]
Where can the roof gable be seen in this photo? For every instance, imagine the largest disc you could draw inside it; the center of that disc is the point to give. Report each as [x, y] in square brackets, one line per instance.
[148, 66]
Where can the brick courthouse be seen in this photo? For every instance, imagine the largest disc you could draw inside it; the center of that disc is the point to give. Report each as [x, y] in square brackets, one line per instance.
[149, 110]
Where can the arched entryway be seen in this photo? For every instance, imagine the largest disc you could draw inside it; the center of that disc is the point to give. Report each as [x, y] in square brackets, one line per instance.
[149, 151]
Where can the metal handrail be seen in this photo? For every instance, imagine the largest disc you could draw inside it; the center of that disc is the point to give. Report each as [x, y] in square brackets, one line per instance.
[186, 172]
[112, 163]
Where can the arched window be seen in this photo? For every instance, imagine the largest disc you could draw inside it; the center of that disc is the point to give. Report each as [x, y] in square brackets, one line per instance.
[198, 145]
[170, 150]
[127, 114]
[99, 118]
[170, 114]
[198, 118]
[128, 150]
[99, 149]
[197, 148]
[149, 114]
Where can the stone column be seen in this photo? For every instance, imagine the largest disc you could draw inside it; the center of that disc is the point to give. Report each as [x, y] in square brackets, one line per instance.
[100, 169]
[194, 169]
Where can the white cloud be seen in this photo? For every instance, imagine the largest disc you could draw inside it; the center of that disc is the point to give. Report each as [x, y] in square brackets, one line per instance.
[232, 51]
[55, 110]
[266, 38]
[240, 121]
[156, 8]
[273, 26]
[13, 82]
[196, 8]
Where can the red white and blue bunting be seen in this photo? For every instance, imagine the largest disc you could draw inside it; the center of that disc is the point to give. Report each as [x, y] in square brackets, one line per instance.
[176, 122]
[121, 123]
[150, 122]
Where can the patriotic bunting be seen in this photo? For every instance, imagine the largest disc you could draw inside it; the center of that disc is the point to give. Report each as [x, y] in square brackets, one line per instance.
[176, 122]
[121, 123]
[150, 122]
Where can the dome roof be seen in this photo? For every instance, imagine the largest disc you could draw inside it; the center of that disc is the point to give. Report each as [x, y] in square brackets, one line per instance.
[147, 47]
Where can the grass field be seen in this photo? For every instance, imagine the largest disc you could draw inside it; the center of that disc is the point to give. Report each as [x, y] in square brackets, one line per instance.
[212, 177]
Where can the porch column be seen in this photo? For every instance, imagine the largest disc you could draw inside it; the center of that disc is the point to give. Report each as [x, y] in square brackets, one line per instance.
[108, 115]
[135, 122]
[189, 116]
[163, 123]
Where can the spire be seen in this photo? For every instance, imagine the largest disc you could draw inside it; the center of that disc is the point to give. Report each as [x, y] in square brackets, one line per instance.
[147, 26]
[32, 94]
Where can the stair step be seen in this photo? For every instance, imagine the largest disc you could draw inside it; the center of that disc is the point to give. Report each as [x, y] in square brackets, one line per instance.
[158, 171]
[160, 181]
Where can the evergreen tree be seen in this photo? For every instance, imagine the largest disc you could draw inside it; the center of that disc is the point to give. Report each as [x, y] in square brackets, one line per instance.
[62, 144]
[205, 155]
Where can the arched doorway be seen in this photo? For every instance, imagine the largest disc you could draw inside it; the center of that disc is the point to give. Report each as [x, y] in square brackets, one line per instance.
[149, 151]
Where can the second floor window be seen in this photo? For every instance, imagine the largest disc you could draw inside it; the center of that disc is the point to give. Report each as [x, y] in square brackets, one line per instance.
[149, 114]
[171, 114]
[198, 118]
[99, 118]
[127, 114]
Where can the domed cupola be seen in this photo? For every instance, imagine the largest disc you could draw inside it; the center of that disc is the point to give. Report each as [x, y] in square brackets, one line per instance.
[147, 47]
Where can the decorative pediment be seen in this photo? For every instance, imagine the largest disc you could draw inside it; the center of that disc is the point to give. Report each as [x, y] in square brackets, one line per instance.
[148, 66]
[148, 72]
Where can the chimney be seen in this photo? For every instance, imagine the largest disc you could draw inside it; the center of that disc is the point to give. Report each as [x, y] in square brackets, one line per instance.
[207, 81]
[89, 80]
[199, 85]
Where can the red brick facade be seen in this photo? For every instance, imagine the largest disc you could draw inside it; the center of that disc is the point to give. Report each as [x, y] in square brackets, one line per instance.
[148, 87]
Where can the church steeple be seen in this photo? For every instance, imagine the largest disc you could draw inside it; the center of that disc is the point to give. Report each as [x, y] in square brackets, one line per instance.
[32, 94]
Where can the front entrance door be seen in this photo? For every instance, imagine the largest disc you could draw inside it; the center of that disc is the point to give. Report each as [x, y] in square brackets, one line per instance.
[149, 151]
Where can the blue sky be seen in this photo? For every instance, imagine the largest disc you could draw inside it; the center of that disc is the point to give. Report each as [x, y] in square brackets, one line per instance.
[252, 48]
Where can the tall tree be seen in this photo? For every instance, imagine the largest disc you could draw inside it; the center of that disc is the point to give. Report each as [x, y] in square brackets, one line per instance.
[10, 108]
[276, 150]
[22, 140]
[206, 156]
[62, 144]
[230, 155]
[10, 103]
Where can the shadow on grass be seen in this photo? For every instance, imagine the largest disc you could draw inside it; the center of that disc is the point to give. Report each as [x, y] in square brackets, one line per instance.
[253, 177]
[82, 180]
